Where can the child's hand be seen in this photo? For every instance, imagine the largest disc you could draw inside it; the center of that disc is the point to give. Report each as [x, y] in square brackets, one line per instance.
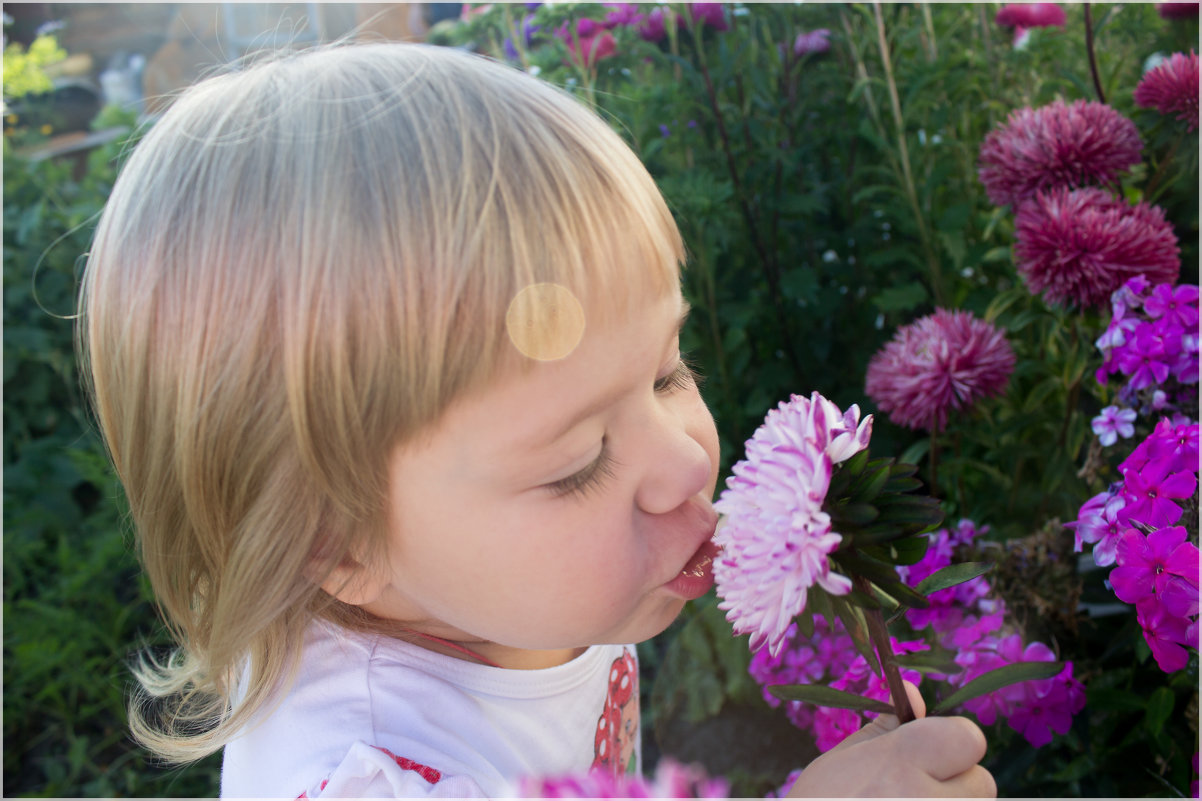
[926, 757]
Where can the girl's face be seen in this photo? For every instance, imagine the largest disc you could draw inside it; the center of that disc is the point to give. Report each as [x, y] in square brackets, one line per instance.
[564, 506]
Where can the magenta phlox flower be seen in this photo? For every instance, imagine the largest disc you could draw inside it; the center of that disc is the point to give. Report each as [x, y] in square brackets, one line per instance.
[815, 41]
[1176, 303]
[1144, 359]
[1166, 634]
[966, 532]
[1172, 89]
[1046, 706]
[1113, 423]
[1147, 563]
[1076, 246]
[775, 537]
[1100, 522]
[672, 780]
[945, 361]
[1149, 491]
[653, 28]
[796, 663]
[974, 630]
[1179, 597]
[833, 726]
[711, 14]
[1060, 145]
[1176, 444]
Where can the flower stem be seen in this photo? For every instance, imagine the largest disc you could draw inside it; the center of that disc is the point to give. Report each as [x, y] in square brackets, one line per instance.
[879, 634]
[1093, 59]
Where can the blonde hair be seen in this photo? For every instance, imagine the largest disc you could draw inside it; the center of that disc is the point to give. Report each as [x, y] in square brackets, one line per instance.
[301, 266]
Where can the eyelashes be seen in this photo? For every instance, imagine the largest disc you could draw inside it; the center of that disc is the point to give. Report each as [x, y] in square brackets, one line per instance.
[684, 376]
[589, 478]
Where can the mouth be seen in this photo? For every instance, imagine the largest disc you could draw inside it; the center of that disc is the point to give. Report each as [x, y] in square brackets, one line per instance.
[697, 576]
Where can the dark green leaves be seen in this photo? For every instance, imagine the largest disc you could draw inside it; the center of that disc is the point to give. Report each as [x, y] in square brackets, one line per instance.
[829, 697]
[996, 679]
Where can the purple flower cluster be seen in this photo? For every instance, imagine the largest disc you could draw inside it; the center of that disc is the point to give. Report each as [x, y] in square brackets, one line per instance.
[1156, 571]
[1163, 468]
[1152, 340]
[968, 619]
[965, 618]
[672, 780]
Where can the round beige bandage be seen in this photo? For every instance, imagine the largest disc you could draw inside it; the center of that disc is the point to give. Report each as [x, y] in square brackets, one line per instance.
[545, 321]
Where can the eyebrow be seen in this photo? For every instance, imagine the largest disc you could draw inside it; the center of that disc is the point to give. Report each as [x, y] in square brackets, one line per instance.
[605, 400]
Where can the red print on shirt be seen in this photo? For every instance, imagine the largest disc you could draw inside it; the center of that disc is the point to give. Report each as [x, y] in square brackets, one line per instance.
[618, 726]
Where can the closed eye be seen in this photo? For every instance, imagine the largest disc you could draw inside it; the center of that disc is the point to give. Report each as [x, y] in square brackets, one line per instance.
[683, 376]
[588, 479]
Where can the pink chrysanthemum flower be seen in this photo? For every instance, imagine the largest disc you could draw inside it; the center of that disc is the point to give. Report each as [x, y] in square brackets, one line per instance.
[1056, 145]
[1172, 88]
[775, 537]
[946, 360]
[1078, 246]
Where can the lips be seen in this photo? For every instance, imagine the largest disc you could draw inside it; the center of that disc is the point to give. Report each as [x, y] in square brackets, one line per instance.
[697, 575]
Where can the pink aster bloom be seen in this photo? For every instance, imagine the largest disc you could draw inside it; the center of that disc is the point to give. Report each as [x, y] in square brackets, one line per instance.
[775, 537]
[942, 362]
[1078, 246]
[1056, 145]
[1113, 423]
[711, 14]
[1031, 15]
[1177, 11]
[1172, 89]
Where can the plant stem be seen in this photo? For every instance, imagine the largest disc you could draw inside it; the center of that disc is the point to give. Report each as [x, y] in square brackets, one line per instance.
[1154, 181]
[1093, 60]
[879, 634]
[903, 153]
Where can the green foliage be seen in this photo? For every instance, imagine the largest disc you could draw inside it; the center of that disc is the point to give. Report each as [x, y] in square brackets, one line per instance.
[75, 607]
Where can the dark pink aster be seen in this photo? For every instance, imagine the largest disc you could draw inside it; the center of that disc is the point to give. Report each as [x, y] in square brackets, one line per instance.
[1172, 88]
[1031, 15]
[1056, 145]
[944, 361]
[1078, 246]
[1177, 10]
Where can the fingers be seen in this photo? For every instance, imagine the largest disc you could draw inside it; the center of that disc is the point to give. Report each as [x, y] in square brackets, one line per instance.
[886, 723]
[943, 748]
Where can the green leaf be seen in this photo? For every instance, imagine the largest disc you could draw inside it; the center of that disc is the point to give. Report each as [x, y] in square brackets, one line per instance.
[855, 514]
[854, 562]
[857, 627]
[825, 696]
[908, 551]
[902, 298]
[996, 679]
[952, 575]
[1160, 706]
[929, 662]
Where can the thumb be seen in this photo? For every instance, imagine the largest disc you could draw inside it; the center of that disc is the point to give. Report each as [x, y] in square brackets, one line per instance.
[883, 724]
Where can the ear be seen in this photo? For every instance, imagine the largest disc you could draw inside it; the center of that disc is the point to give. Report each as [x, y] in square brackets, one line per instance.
[354, 583]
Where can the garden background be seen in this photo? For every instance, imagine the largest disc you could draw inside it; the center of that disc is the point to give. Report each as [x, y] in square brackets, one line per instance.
[822, 162]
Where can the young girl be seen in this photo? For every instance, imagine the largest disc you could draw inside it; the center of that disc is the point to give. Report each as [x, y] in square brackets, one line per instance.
[383, 342]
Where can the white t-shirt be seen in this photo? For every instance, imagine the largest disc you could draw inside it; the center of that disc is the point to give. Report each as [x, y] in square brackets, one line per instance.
[372, 716]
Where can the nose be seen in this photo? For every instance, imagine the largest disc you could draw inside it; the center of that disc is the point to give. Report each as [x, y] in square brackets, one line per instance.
[680, 457]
